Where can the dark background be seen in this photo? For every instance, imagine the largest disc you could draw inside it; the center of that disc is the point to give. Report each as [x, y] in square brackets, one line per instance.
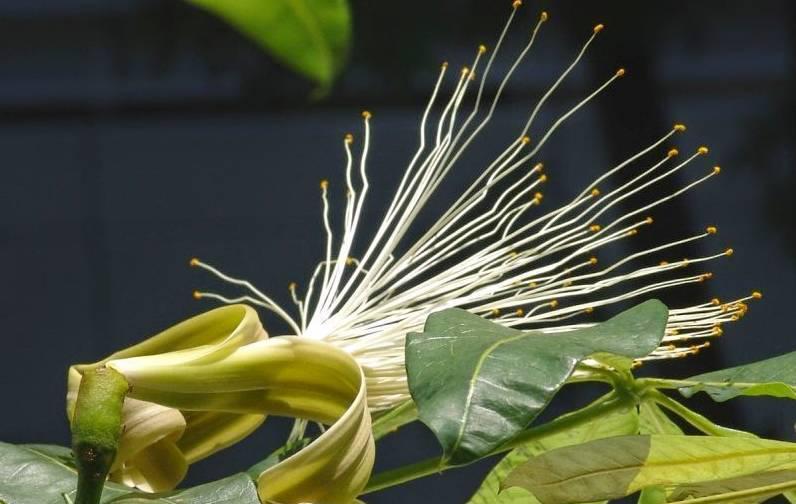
[138, 133]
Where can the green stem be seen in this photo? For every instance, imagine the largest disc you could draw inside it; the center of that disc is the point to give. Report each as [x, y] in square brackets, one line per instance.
[697, 420]
[96, 427]
[606, 404]
[394, 419]
[664, 383]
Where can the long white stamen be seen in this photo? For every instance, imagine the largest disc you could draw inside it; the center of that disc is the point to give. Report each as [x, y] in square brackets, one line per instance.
[494, 251]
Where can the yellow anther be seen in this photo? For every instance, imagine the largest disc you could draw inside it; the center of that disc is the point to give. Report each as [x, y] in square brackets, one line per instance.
[366, 115]
[444, 65]
[674, 332]
[538, 167]
[465, 71]
[532, 284]
[194, 262]
[567, 283]
[324, 184]
[729, 252]
[349, 138]
[649, 220]
[716, 170]
[717, 331]
[543, 178]
[292, 286]
[197, 295]
[543, 16]
[663, 263]
[632, 232]
[553, 303]
[679, 127]
[672, 153]
[594, 228]
[711, 230]
[481, 49]
[516, 3]
[593, 260]
[513, 254]
[495, 312]
[595, 192]
[350, 261]
[589, 309]
[620, 72]
[703, 150]
[705, 276]
[757, 295]
[538, 196]
[734, 318]
[715, 301]
[519, 312]
[525, 140]
[685, 262]
[598, 28]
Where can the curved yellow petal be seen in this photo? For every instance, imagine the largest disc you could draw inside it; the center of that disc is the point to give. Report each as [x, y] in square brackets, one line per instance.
[335, 467]
[157, 444]
[220, 379]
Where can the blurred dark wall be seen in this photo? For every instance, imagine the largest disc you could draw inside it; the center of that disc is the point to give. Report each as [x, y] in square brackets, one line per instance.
[138, 133]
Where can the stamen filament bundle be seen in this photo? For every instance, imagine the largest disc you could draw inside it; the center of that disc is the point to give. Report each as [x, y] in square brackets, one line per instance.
[493, 252]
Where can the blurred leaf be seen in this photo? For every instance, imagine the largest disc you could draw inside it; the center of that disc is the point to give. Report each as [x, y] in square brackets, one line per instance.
[771, 377]
[477, 384]
[44, 474]
[311, 37]
[617, 423]
[615, 467]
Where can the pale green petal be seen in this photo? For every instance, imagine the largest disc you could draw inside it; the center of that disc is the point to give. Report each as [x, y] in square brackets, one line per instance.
[145, 424]
[157, 468]
[209, 431]
[336, 466]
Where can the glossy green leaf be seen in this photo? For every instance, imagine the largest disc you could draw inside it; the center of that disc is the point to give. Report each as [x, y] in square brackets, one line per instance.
[477, 384]
[617, 423]
[311, 37]
[771, 377]
[616, 467]
[44, 474]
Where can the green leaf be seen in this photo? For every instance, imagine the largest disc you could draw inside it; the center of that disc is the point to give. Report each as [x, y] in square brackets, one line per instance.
[477, 384]
[652, 495]
[235, 489]
[614, 424]
[652, 420]
[761, 483]
[312, 37]
[616, 467]
[771, 377]
[44, 474]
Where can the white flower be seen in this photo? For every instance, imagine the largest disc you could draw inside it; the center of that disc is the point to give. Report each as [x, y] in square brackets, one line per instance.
[494, 251]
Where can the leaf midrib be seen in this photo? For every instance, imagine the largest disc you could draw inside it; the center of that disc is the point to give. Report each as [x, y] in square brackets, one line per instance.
[701, 460]
[474, 379]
